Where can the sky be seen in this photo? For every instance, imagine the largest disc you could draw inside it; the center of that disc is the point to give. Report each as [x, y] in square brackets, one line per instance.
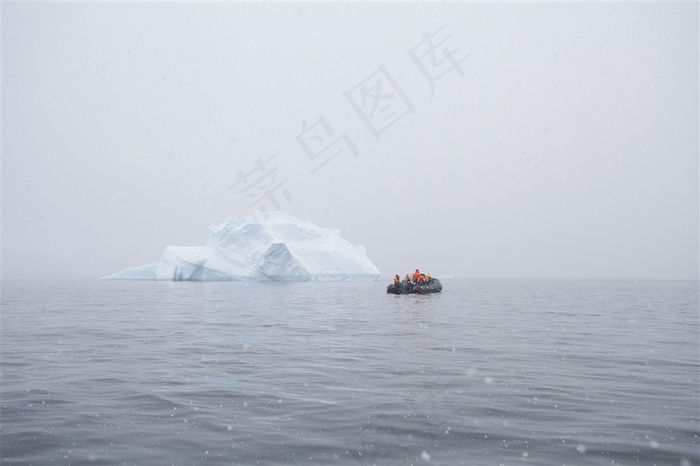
[516, 140]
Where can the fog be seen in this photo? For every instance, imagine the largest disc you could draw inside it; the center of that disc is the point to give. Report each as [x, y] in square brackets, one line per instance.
[475, 140]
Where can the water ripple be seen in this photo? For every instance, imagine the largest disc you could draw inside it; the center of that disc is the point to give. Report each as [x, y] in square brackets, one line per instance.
[488, 372]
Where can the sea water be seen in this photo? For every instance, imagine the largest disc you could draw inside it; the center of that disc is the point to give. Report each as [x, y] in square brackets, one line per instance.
[487, 372]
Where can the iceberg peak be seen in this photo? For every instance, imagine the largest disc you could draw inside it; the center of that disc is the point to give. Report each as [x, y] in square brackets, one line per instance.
[264, 246]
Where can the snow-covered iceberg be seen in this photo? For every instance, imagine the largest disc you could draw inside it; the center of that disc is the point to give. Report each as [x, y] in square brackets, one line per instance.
[265, 246]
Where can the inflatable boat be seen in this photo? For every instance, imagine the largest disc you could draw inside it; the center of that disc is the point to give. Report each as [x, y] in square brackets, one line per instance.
[433, 286]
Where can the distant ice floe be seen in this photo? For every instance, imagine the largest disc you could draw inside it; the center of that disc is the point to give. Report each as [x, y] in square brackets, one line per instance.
[265, 246]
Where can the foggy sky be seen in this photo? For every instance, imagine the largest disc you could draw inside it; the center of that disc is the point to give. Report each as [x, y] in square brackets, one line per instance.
[475, 140]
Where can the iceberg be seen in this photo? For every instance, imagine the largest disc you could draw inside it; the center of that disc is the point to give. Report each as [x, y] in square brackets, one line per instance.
[265, 246]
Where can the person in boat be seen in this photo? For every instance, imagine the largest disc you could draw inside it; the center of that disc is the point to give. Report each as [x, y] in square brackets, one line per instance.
[397, 280]
[416, 276]
[407, 278]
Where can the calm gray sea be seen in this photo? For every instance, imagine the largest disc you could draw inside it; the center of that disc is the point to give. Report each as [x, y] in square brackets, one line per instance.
[487, 372]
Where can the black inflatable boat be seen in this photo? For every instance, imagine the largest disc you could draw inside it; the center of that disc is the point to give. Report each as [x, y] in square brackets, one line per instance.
[433, 286]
